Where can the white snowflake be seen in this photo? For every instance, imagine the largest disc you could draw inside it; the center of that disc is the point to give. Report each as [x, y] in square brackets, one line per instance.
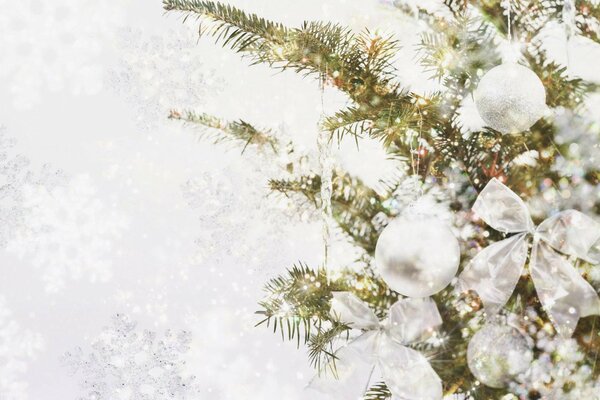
[129, 364]
[67, 232]
[159, 73]
[15, 176]
[17, 347]
[223, 200]
[53, 45]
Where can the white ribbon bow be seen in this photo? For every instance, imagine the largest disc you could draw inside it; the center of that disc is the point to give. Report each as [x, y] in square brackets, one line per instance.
[382, 345]
[495, 271]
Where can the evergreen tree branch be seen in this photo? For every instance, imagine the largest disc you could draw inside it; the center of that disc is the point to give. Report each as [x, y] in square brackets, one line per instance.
[298, 302]
[355, 205]
[321, 352]
[219, 131]
[356, 64]
[378, 391]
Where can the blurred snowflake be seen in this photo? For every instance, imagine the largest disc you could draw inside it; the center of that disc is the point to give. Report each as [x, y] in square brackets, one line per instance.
[15, 176]
[67, 232]
[159, 73]
[52, 46]
[17, 346]
[240, 219]
[229, 216]
[126, 364]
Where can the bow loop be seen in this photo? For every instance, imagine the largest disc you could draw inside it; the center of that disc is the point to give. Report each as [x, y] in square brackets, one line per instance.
[411, 318]
[502, 209]
[573, 233]
[352, 311]
[494, 272]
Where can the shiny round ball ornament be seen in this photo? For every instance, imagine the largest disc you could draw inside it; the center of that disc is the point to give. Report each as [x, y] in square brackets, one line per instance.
[497, 354]
[510, 98]
[417, 258]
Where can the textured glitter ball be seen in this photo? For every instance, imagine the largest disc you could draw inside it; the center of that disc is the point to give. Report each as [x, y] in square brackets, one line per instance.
[417, 258]
[510, 98]
[497, 354]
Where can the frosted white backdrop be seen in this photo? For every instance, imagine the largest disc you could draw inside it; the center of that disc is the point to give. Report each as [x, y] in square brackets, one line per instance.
[107, 207]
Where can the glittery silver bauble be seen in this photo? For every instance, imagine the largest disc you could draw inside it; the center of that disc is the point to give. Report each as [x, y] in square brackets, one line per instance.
[498, 353]
[417, 258]
[510, 98]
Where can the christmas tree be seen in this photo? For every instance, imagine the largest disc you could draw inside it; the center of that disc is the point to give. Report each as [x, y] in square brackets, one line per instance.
[493, 206]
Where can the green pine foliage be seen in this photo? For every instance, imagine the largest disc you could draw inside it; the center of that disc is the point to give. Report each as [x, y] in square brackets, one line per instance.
[424, 132]
[220, 131]
[379, 391]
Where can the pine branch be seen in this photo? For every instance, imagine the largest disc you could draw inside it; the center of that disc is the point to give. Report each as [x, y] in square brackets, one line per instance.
[355, 205]
[378, 391]
[321, 353]
[455, 49]
[561, 90]
[530, 16]
[242, 32]
[219, 131]
[322, 48]
[356, 64]
[297, 303]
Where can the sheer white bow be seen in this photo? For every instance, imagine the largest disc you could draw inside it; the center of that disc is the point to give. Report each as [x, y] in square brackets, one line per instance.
[382, 348]
[495, 271]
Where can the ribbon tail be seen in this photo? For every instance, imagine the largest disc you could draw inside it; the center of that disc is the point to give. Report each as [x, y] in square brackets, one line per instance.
[563, 292]
[495, 271]
[349, 375]
[407, 373]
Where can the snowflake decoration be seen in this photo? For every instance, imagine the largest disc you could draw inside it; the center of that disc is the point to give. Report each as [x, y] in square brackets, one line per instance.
[17, 346]
[67, 232]
[15, 176]
[127, 364]
[224, 198]
[54, 45]
[163, 72]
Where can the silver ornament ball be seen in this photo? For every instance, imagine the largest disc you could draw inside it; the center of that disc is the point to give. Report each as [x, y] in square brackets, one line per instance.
[510, 98]
[417, 258]
[497, 354]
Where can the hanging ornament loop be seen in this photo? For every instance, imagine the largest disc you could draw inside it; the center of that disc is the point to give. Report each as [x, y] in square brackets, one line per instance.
[508, 8]
[495, 271]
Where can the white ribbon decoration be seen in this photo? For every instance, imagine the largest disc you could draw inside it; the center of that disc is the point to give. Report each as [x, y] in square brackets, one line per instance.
[406, 372]
[495, 271]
